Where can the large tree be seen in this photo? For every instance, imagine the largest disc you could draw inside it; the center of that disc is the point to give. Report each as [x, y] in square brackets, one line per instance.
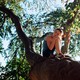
[43, 68]
[32, 57]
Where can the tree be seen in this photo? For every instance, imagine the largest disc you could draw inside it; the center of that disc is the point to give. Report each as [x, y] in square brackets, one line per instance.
[43, 68]
[14, 51]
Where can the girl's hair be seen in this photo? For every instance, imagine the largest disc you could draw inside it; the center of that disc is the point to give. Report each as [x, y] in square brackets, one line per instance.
[59, 30]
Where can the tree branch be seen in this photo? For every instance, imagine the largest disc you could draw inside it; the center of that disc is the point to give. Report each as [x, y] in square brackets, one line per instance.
[30, 55]
[3, 20]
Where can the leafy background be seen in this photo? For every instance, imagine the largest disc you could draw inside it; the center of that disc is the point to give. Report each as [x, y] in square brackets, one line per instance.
[37, 18]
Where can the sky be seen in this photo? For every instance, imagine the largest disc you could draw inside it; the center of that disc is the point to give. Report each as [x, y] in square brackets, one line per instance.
[5, 45]
[2, 60]
[36, 8]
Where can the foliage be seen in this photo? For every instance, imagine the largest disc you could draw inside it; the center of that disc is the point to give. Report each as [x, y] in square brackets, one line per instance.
[60, 16]
[17, 67]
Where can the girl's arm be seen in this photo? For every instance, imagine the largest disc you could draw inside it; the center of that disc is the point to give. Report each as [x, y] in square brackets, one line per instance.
[58, 46]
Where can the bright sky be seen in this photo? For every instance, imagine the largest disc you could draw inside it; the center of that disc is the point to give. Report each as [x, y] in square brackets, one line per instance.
[2, 60]
[40, 6]
[5, 45]
[35, 8]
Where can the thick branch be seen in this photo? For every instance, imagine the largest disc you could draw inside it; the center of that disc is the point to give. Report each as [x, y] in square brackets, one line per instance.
[69, 22]
[31, 56]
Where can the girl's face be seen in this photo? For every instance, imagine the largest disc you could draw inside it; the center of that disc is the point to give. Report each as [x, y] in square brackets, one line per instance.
[57, 32]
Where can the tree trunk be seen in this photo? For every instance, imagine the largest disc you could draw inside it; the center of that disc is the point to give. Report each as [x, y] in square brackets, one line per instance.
[65, 48]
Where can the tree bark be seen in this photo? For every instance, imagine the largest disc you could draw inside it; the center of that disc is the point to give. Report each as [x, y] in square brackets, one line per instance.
[67, 32]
